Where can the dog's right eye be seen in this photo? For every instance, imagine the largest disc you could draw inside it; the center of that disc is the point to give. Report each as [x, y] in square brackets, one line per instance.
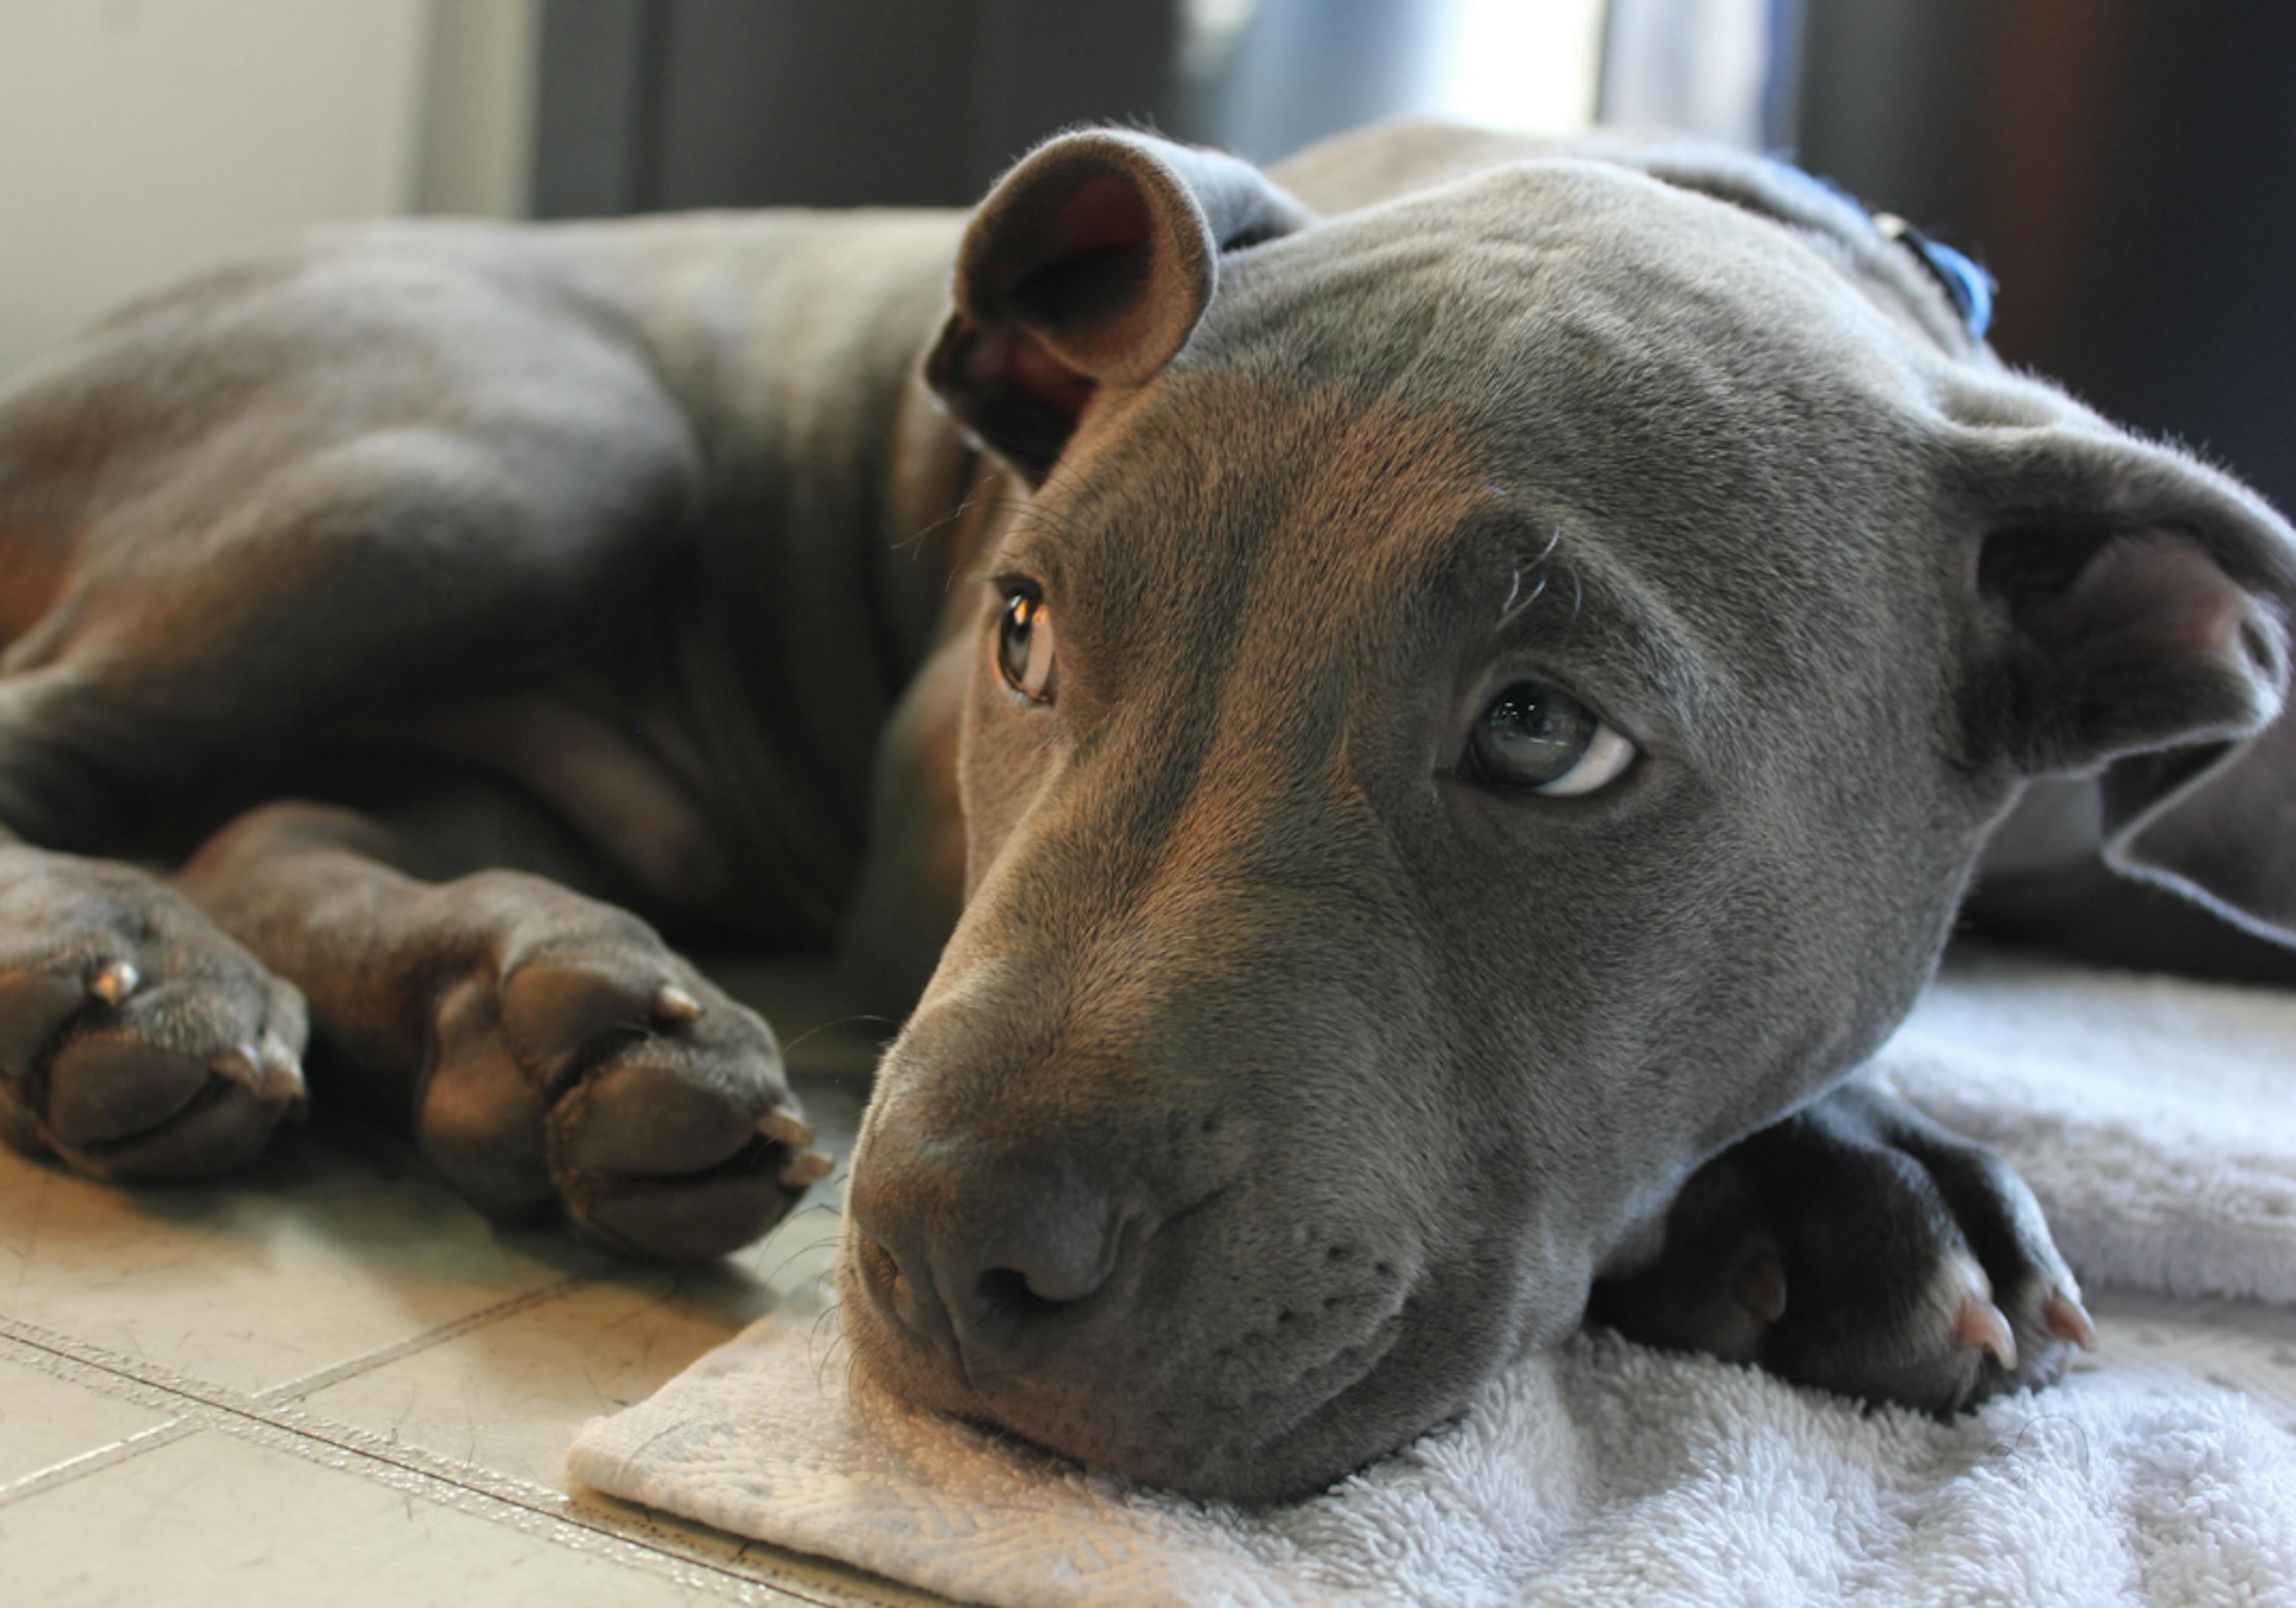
[1024, 646]
[1535, 737]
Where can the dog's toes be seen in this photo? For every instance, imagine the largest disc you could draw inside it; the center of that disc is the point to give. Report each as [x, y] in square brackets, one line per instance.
[685, 1143]
[1719, 1282]
[1859, 1247]
[602, 1074]
[2023, 1313]
[136, 1041]
[562, 1010]
[175, 1084]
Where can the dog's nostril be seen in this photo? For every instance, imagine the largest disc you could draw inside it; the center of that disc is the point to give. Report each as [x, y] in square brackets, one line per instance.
[1007, 1293]
[879, 1263]
[976, 1251]
[884, 1269]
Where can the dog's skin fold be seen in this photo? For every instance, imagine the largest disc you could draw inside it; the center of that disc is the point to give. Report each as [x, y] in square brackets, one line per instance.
[1410, 720]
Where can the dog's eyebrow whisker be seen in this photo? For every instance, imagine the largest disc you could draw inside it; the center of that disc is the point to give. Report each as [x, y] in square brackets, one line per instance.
[1031, 519]
[934, 527]
[1516, 603]
[1527, 565]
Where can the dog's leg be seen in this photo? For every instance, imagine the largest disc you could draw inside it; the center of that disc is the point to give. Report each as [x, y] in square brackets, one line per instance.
[1858, 1246]
[264, 503]
[549, 1048]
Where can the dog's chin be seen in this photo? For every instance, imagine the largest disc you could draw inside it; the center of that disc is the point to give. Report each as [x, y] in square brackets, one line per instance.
[1283, 1445]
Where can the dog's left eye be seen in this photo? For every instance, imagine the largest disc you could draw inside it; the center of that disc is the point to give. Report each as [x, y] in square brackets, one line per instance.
[1024, 646]
[1535, 737]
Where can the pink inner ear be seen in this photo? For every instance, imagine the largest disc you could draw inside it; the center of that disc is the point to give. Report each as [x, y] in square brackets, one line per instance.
[1105, 212]
[1013, 359]
[1103, 217]
[2158, 592]
[1046, 377]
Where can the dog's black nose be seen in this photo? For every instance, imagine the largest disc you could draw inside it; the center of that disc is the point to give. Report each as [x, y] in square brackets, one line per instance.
[976, 1251]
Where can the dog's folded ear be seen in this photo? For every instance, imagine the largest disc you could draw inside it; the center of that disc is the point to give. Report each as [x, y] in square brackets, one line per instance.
[1087, 267]
[2133, 621]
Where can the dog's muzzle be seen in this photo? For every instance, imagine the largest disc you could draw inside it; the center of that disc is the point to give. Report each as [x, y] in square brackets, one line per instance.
[980, 1260]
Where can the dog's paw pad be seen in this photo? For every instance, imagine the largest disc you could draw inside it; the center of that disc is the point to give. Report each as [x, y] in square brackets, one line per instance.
[137, 1040]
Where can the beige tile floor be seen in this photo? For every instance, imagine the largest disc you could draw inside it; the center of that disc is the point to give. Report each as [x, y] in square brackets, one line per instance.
[330, 1381]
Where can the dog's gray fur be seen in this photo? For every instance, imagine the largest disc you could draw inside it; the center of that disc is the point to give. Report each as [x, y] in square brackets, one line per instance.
[1279, 1078]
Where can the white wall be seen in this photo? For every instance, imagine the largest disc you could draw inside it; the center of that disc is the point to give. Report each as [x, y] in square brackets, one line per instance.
[142, 139]
[1530, 65]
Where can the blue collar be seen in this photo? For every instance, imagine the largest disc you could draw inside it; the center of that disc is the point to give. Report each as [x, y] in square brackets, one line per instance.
[1969, 286]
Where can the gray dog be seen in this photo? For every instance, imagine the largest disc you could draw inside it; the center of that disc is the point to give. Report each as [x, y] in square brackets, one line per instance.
[1438, 708]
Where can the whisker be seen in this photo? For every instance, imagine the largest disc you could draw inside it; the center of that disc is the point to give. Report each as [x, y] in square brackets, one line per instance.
[795, 1253]
[1515, 607]
[840, 1022]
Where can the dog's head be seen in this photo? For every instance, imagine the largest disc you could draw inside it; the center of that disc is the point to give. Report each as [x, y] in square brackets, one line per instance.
[1488, 698]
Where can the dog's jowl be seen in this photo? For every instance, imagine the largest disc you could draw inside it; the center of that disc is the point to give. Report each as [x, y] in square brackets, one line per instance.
[1411, 722]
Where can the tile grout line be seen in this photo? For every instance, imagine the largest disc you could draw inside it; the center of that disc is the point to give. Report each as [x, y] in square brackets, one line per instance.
[162, 1391]
[538, 1510]
[350, 1367]
[96, 1459]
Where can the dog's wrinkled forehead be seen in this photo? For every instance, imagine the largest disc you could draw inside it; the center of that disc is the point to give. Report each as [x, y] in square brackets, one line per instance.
[1688, 400]
[1522, 287]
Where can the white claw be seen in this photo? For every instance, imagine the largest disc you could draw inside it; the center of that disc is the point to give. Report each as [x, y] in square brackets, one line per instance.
[283, 1073]
[807, 1166]
[241, 1065]
[113, 982]
[1761, 1289]
[673, 1004]
[784, 1127]
[2063, 1315]
[1978, 1321]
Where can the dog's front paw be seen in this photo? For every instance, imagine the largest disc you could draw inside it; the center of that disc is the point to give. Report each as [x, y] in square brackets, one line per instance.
[137, 1040]
[1858, 1246]
[587, 1064]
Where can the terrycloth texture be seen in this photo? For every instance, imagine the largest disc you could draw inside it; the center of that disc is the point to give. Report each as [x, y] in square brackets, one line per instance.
[2154, 1118]
[2164, 1472]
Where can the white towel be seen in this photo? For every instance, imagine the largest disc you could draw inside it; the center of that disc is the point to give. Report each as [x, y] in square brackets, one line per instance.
[2153, 1119]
